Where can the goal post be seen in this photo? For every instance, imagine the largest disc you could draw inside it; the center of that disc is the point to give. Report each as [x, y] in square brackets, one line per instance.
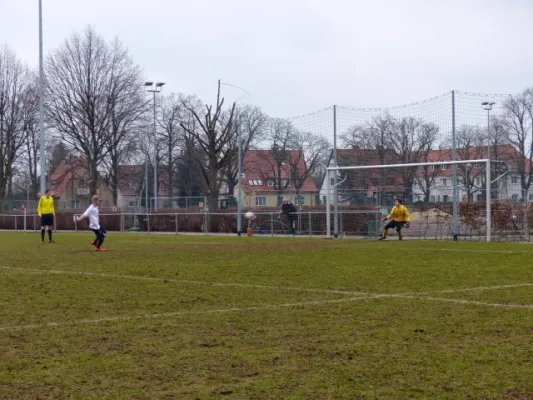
[329, 185]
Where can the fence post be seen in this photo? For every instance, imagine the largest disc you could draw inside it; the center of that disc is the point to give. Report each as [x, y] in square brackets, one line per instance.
[148, 222]
[310, 225]
[16, 225]
[177, 224]
[205, 220]
[24, 220]
[272, 224]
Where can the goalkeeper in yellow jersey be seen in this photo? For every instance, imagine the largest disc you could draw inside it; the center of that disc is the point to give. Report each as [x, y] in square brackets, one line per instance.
[400, 218]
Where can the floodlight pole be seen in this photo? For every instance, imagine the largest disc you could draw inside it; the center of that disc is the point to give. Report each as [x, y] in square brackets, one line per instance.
[487, 106]
[239, 186]
[157, 88]
[41, 102]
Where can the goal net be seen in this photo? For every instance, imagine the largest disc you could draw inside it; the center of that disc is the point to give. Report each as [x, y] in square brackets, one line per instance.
[446, 199]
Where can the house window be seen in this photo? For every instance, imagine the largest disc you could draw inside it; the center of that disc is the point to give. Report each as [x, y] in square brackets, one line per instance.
[445, 182]
[443, 167]
[81, 185]
[420, 168]
[514, 180]
[432, 198]
[299, 201]
[531, 197]
[446, 198]
[477, 181]
[250, 182]
[432, 168]
[75, 204]
[260, 201]
[132, 203]
[280, 200]
[514, 197]
[476, 166]
[270, 182]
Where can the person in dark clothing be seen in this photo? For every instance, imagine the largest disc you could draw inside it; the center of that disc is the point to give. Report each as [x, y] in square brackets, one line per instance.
[288, 209]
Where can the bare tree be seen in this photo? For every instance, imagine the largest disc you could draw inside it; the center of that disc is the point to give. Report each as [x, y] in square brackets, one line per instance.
[86, 80]
[128, 107]
[276, 163]
[31, 154]
[470, 142]
[252, 124]
[171, 115]
[517, 124]
[190, 162]
[411, 140]
[310, 152]
[13, 85]
[214, 140]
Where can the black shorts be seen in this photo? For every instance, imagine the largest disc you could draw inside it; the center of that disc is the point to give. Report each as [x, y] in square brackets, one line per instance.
[395, 225]
[47, 220]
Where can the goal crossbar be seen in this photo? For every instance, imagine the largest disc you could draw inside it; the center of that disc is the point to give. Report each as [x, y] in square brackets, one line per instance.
[407, 165]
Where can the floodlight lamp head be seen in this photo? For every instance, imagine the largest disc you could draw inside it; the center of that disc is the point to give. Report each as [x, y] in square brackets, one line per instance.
[148, 84]
[159, 84]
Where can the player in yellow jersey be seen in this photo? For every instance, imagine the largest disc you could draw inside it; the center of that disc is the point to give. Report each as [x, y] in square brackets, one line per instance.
[46, 211]
[400, 218]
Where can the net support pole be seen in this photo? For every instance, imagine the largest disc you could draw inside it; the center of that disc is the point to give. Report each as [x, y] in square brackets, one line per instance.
[488, 200]
[455, 202]
[335, 194]
[328, 206]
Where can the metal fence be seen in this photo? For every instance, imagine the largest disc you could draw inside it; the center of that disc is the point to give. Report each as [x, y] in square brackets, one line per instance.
[510, 222]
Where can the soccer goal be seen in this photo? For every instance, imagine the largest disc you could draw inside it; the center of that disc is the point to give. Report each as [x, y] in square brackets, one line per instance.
[447, 199]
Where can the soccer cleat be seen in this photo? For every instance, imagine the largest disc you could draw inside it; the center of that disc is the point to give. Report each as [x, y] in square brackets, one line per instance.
[51, 241]
[42, 241]
[382, 238]
[93, 243]
[100, 249]
[400, 238]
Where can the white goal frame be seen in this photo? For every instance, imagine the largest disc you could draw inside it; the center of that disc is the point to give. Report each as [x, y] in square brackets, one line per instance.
[426, 164]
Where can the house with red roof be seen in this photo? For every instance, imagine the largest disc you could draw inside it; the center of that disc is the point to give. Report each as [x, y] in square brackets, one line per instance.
[269, 177]
[69, 184]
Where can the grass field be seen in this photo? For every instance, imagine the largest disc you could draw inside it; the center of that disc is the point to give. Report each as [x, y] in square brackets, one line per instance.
[182, 317]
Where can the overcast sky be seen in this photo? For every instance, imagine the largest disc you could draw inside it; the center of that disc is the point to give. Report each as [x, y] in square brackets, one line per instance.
[296, 56]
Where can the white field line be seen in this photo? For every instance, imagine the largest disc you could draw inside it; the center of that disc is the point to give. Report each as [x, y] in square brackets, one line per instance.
[467, 302]
[184, 281]
[479, 251]
[472, 289]
[245, 285]
[200, 312]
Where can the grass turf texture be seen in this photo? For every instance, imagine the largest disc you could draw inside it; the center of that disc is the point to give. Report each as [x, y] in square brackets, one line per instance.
[141, 321]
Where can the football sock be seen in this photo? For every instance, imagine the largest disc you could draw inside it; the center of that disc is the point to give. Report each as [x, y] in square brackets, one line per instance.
[42, 235]
[49, 234]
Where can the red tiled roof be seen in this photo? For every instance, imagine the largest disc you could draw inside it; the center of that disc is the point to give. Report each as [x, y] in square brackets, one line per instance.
[259, 165]
[63, 174]
[131, 180]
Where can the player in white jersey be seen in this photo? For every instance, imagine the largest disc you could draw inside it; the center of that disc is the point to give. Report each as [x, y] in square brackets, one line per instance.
[94, 223]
